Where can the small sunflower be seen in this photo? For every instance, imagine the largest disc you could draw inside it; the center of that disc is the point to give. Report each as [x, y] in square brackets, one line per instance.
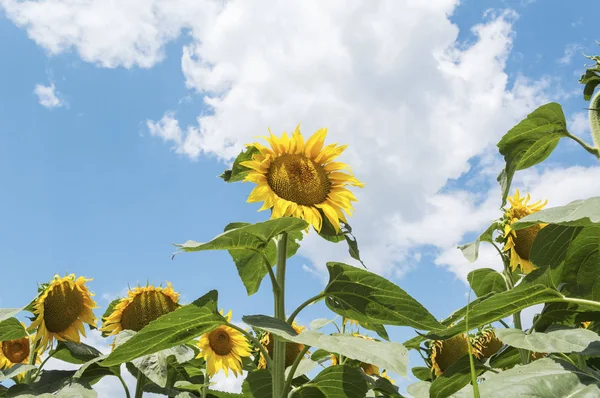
[519, 242]
[61, 309]
[292, 350]
[445, 352]
[300, 179]
[13, 352]
[141, 306]
[486, 344]
[223, 348]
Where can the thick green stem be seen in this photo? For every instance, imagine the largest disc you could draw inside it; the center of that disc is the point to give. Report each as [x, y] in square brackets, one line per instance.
[290, 377]
[304, 305]
[278, 369]
[595, 121]
[127, 395]
[139, 386]
[525, 355]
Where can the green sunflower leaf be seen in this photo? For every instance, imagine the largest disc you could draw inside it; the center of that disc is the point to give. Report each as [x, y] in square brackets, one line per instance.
[551, 244]
[369, 298]
[249, 245]
[335, 381]
[75, 353]
[455, 377]
[549, 378]
[506, 358]
[155, 366]
[170, 330]
[6, 313]
[11, 329]
[486, 280]
[422, 373]
[258, 384]
[530, 142]
[14, 370]
[419, 389]
[385, 355]
[579, 213]
[580, 270]
[239, 172]
[471, 250]
[565, 340]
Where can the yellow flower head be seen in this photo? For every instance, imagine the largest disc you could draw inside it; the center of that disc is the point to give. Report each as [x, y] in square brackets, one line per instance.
[519, 243]
[300, 179]
[445, 352]
[292, 350]
[13, 352]
[141, 306]
[61, 309]
[223, 348]
[486, 344]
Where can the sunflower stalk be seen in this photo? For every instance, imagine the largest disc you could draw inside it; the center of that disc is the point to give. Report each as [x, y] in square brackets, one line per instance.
[278, 369]
[32, 360]
[139, 385]
[290, 377]
[525, 355]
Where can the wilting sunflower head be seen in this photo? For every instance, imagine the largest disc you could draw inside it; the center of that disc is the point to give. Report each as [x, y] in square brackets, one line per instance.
[141, 306]
[519, 243]
[292, 350]
[223, 348]
[300, 179]
[61, 309]
[14, 352]
[445, 352]
[486, 344]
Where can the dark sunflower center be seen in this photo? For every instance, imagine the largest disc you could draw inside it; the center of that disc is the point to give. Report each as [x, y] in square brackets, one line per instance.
[16, 350]
[62, 307]
[524, 240]
[298, 179]
[144, 308]
[220, 342]
[291, 350]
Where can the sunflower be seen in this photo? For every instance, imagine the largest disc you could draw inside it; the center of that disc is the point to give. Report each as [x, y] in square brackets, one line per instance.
[445, 352]
[141, 306]
[300, 179]
[292, 350]
[351, 322]
[61, 309]
[223, 348]
[13, 352]
[486, 344]
[519, 242]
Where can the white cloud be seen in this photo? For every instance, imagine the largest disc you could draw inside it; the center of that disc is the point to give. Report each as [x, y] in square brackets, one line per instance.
[579, 124]
[48, 96]
[570, 51]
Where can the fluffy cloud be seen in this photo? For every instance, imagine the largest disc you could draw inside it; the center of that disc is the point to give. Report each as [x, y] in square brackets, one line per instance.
[570, 51]
[48, 96]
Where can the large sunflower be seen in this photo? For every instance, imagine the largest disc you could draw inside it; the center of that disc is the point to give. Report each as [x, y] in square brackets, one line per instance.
[300, 179]
[223, 348]
[519, 243]
[141, 306]
[445, 352]
[61, 309]
[292, 350]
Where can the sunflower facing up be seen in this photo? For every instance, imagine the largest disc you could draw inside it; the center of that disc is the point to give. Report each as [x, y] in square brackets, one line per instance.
[223, 348]
[141, 306]
[300, 179]
[292, 350]
[61, 309]
[519, 243]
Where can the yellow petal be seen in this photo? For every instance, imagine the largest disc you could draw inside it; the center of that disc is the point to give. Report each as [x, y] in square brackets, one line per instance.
[259, 193]
[329, 153]
[315, 143]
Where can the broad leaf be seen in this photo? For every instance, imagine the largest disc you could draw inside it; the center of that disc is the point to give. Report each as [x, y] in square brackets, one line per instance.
[562, 340]
[250, 244]
[258, 384]
[454, 378]
[70, 390]
[580, 271]
[6, 313]
[548, 378]
[74, 353]
[579, 213]
[506, 358]
[486, 280]
[530, 142]
[320, 323]
[471, 250]
[419, 389]
[338, 381]
[155, 366]
[239, 172]
[11, 329]
[422, 373]
[551, 243]
[14, 370]
[170, 330]
[305, 366]
[369, 298]
[386, 355]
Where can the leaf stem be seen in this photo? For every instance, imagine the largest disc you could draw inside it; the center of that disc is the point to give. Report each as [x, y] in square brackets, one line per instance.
[504, 323]
[290, 377]
[32, 359]
[470, 351]
[205, 384]
[304, 305]
[39, 369]
[270, 271]
[278, 368]
[525, 355]
[581, 301]
[139, 385]
[255, 341]
[127, 394]
[585, 145]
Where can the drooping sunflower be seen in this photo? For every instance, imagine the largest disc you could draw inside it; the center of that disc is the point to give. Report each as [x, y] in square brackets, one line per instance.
[519, 243]
[13, 352]
[292, 350]
[223, 348]
[300, 179]
[486, 344]
[141, 306]
[61, 310]
[445, 352]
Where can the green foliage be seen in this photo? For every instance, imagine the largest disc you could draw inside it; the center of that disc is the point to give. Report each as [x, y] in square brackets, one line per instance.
[335, 381]
[74, 353]
[11, 329]
[454, 378]
[258, 385]
[237, 171]
[471, 250]
[484, 281]
[579, 213]
[565, 340]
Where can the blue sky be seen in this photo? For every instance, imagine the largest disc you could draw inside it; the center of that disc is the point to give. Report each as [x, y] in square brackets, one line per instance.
[88, 190]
